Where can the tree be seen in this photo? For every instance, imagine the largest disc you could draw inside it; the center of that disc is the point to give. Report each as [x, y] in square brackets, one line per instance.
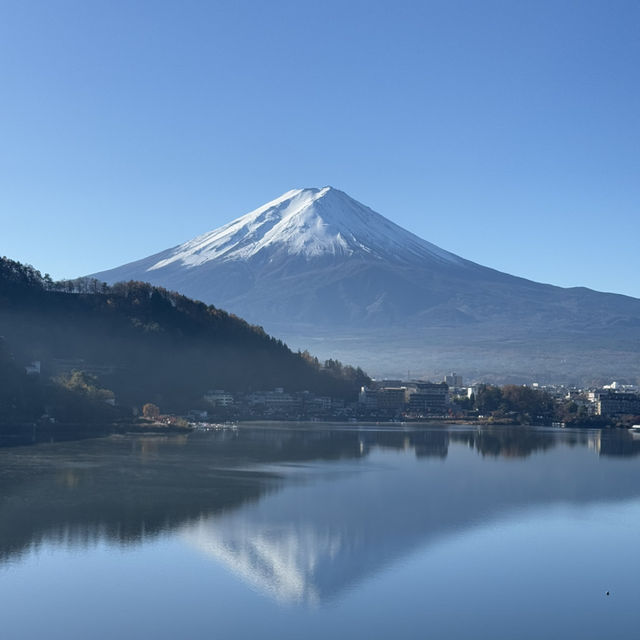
[488, 398]
[526, 401]
[151, 411]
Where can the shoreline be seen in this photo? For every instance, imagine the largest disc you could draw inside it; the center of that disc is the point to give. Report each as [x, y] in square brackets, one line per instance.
[25, 434]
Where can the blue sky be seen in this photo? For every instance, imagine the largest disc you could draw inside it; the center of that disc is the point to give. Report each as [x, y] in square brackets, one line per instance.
[507, 131]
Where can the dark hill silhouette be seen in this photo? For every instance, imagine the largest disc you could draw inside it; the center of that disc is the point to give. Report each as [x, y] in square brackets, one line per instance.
[147, 344]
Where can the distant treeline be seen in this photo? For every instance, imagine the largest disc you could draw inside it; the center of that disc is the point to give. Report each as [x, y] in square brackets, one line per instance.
[136, 343]
[527, 405]
[521, 404]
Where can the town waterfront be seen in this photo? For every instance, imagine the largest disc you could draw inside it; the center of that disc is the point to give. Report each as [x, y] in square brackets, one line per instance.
[405, 531]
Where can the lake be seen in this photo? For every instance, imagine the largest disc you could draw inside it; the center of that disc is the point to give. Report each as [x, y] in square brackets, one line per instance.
[323, 532]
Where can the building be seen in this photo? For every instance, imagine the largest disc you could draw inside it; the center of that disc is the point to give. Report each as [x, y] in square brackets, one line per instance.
[453, 380]
[391, 398]
[219, 398]
[385, 382]
[368, 398]
[610, 403]
[317, 404]
[276, 401]
[429, 398]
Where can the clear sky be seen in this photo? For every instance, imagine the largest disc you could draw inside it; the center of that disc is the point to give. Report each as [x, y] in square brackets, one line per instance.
[506, 131]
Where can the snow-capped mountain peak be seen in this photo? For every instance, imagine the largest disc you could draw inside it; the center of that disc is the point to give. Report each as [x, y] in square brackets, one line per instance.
[310, 223]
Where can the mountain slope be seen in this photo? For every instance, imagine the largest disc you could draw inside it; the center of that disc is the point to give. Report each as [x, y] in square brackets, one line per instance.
[305, 231]
[316, 263]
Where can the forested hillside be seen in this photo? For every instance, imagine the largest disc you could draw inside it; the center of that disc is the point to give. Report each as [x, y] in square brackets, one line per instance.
[143, 344]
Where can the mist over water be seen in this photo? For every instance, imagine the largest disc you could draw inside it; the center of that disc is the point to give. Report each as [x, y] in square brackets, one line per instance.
[450, 532]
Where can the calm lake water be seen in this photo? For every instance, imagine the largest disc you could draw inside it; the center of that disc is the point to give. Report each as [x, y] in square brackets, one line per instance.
[323, 533]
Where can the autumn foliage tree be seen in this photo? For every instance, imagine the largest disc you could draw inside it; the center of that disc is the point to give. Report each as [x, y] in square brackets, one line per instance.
[151, 411]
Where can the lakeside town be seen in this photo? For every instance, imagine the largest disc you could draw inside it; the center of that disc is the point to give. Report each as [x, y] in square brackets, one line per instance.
[90, 359]
[451, 399]
[614, 404]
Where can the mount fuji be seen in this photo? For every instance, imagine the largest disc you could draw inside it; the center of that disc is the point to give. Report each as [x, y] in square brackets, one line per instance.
[328, 273]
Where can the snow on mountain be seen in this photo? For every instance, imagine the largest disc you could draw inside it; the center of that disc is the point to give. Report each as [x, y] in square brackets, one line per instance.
[308, 223]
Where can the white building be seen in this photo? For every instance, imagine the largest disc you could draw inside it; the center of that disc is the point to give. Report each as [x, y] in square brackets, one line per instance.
[453, 380]
[33, 369]
[219, 398]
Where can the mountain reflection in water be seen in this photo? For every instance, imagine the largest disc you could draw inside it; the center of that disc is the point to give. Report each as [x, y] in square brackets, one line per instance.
[302, 513]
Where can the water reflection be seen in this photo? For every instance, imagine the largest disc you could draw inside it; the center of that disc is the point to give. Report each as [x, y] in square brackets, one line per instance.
[303, 514]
